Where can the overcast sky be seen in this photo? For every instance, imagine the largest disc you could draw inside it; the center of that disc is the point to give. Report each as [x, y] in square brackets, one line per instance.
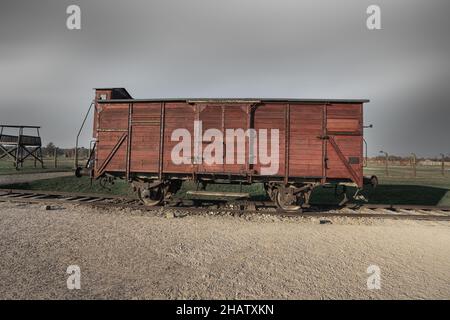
[232, 48]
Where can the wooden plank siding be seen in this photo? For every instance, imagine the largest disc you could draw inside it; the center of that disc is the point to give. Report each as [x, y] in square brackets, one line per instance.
[307, 127]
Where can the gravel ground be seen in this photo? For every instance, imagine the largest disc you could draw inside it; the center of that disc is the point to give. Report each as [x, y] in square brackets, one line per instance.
[28, 177]
[128, 254]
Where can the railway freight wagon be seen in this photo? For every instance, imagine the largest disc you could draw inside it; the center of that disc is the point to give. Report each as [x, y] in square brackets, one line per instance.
[289, 145]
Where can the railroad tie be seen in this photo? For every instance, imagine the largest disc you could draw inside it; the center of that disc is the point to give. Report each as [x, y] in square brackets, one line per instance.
[403, 211]
[95, 200]
[441, 212]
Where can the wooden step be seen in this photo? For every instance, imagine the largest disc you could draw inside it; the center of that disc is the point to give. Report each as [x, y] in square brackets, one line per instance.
[219, 194]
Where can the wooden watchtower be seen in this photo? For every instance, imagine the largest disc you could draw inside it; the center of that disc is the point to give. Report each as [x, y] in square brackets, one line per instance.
[18, 147]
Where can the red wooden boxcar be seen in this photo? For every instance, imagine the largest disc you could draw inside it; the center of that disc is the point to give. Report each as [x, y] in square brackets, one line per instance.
[320, 142]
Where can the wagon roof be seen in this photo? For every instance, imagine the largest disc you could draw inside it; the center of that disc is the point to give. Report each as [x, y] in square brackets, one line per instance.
[121, 95]
[235, 100]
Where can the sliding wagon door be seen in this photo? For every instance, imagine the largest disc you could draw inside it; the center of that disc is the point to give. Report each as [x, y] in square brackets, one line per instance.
[145, 139]
[305, 145]
[236, 118]
[220, 117]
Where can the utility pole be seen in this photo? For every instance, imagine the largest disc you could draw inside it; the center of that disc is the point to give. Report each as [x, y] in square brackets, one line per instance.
[386, 162]
[413, 163]
[443, 164]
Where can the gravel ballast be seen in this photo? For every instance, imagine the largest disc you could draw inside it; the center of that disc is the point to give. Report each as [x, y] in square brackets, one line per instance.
[132, 255]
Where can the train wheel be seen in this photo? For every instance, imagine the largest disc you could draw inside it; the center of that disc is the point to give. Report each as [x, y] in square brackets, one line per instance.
[374, 181]
[151, 197]
[286, 200]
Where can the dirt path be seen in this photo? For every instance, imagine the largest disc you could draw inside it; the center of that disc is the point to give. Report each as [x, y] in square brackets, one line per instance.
[28, 177]
[128, 255]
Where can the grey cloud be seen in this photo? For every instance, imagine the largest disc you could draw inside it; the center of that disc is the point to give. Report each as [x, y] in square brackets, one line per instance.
[212, 48]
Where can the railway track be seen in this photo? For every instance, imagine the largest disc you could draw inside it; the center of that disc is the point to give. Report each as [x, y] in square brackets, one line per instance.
[414, 212]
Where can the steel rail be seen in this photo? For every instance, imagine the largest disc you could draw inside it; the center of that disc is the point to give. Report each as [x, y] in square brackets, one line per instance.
[414, 212]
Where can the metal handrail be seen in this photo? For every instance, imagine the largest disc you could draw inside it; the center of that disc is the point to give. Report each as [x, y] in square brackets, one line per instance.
[365, 155]
[79, 132]
[365, 143]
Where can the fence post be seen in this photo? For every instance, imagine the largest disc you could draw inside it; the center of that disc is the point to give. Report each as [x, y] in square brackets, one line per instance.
[386, 170]
[413, 163]
[56, 157]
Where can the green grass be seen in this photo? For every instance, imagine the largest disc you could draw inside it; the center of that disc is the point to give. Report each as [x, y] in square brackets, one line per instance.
[63, 164]
[73, 184]
[389, 194]
[428, 188]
